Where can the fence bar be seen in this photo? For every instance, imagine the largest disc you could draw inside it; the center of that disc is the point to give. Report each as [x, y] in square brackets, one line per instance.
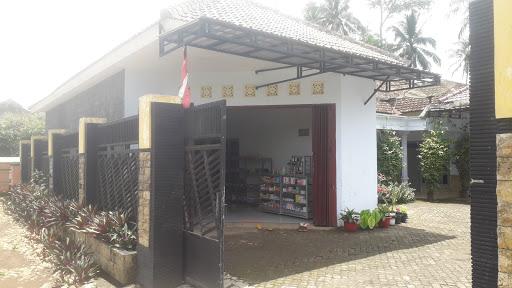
[160, 209]
[54, 154]
[25, 161]
[39, 154]
[87, 159]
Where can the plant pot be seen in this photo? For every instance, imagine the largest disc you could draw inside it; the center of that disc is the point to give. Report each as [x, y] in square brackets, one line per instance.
[398, 218]
[384, 223]
[404, 218]
[392, 221]
[350, 227]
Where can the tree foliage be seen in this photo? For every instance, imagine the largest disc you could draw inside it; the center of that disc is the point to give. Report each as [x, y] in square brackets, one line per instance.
[462, 54]
[389, 155]
[412, 45]
[434, 156]
[334, 15]
[17, 126]
[460, 155]
[390, 8]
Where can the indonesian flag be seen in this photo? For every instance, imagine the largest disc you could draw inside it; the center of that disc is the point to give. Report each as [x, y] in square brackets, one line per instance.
[184, 92]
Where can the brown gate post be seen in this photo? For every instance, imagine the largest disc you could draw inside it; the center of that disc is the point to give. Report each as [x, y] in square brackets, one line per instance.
[160, 211]
[87, 157]
[53, 154]
[25, 161]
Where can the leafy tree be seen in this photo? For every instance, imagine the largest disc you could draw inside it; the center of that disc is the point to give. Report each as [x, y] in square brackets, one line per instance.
[434, 155]
[462, 53]
[412, 45]
[17, 126]
[389, 155]
[460, 156]
[334, 15]
[390, 8]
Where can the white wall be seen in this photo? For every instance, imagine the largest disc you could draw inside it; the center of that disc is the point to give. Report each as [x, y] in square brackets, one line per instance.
[271, 132]
[356, 158]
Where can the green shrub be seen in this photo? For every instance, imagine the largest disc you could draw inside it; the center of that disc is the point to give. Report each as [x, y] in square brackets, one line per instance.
[395, 194]
[389, 155]
[434, 156]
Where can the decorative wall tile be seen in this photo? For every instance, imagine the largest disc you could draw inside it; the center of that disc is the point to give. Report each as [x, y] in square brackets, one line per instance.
[250, 90]
[227, 91]
[294, 88]
[206, 91]
[272, 90]
[318, 87]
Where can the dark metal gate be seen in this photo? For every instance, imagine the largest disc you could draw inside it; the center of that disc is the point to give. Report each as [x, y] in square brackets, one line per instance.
[204, 194]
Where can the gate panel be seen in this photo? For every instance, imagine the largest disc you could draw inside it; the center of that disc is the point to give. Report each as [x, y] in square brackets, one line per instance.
[69, 172]
[204, 194]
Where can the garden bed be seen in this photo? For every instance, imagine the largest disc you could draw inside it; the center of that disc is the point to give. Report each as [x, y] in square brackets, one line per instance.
[119, 264]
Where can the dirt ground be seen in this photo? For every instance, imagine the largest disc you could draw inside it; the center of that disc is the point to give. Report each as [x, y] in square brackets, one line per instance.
[429, 251]
[19, 264]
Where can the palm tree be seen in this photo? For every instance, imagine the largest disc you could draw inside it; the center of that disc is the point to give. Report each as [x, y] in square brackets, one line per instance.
[461, 7]
[334, 15]
[462, 56]
[412, 45]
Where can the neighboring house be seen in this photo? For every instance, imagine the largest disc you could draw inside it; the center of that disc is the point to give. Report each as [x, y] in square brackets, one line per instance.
[10, 172]
[290, 87]
[411, 113]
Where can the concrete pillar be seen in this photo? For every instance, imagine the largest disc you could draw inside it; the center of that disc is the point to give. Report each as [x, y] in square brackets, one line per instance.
[87, 159]
[160, 209]
[53, 153]
[504, 197]
[405, 173]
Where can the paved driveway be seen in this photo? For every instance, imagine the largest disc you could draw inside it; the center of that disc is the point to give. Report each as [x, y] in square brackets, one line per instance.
[432, 250]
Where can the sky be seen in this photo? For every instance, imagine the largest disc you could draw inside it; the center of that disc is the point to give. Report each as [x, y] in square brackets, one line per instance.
[44, 43]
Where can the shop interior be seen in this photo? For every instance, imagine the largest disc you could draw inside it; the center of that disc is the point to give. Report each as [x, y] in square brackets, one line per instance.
[269, 165]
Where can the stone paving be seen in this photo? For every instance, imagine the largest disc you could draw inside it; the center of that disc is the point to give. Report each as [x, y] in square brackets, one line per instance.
[431, 250]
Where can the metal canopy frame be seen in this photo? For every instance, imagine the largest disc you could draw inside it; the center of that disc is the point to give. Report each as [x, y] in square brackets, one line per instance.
[219, 36]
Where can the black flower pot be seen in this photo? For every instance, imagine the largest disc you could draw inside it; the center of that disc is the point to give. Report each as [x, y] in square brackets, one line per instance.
[404, 218]
[398, 218]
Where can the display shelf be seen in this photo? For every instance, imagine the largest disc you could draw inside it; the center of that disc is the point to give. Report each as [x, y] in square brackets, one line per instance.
[294, 195]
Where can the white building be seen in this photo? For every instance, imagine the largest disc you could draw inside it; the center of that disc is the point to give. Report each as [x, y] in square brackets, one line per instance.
[291, 89]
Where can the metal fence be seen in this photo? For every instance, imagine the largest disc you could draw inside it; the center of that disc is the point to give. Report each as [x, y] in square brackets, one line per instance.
[67, 166]
[69, 171]
[118, 166]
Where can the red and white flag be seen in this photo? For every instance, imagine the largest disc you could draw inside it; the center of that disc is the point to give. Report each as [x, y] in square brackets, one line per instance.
[184, 92]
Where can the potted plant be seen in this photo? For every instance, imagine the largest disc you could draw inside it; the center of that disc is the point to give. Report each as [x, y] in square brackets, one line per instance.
[349, 217]
[385, 218]
[403, 212]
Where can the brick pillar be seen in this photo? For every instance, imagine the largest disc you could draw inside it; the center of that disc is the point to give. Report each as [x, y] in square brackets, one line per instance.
[87, 159]
[25, 161]
[160, 211]
[38, 146]
[504, 197]
[53, 155]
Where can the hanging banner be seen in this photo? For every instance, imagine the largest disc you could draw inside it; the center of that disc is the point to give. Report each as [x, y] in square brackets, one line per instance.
[503, 57]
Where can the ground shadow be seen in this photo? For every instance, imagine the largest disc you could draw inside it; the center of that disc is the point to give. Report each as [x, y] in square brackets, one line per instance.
[258, 256]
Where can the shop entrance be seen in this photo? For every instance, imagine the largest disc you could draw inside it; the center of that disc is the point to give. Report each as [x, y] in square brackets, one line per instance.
[274, 156]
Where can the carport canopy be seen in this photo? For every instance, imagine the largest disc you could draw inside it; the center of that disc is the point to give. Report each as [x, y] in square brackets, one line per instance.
[246, 29]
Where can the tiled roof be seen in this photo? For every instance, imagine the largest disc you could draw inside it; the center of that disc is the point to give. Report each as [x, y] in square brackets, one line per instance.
[251, 15]
[444, 96]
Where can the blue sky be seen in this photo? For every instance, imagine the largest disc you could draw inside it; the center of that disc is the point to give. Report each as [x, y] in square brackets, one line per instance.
[44, 43]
